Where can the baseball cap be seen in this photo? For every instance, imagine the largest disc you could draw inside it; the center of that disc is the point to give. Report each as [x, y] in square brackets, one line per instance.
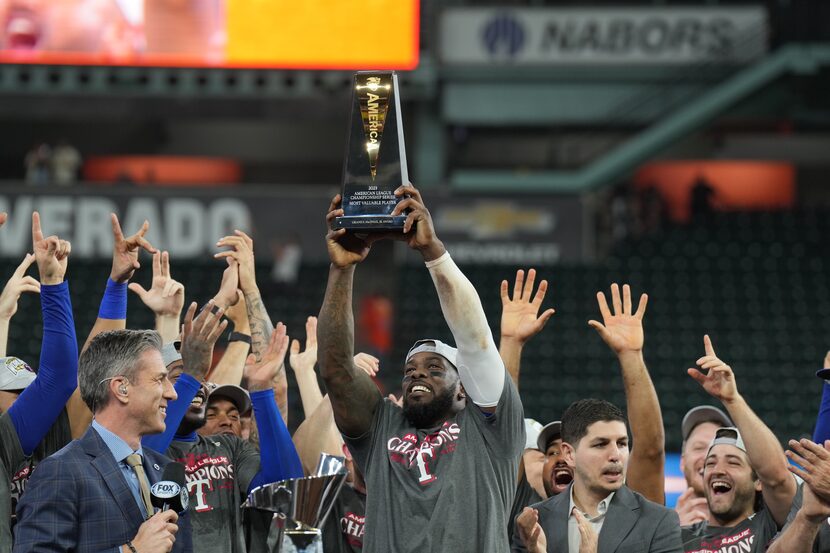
[824, 374]
[170, 352]
[15, 374]
[435, 346]
[238, 396]
[551, 431]
[532, 429]
[700, 414]
[728, 435]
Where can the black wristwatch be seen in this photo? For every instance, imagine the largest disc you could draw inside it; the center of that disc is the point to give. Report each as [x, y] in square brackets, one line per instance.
[239, 337]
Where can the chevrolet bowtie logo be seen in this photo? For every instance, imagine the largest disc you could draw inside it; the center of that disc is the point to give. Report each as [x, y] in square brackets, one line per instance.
[495, 220]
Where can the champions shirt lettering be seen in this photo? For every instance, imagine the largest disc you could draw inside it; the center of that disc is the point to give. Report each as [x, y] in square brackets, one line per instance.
[752, 535]
[218, 471]
[447, 488]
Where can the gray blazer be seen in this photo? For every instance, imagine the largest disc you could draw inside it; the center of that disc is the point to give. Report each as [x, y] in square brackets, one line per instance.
[632, 524]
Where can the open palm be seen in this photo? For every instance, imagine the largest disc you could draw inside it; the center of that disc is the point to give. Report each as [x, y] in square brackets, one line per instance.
[520, 317]
[622, 330]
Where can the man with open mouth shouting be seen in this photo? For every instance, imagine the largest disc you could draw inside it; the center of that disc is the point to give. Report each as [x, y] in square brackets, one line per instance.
[441, 471]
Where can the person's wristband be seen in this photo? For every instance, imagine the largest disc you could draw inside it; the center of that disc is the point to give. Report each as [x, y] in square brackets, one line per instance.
[131, 547]
[114, 302]
[239, 337]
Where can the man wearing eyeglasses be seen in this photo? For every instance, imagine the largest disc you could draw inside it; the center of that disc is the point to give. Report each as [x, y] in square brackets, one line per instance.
[749, 490]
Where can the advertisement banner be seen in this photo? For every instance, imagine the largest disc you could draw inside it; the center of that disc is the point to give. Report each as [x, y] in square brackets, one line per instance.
[188, 222]
[603, 36]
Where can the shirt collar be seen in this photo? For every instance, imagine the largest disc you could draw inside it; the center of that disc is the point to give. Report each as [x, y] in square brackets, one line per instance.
[602, 507]
[117, 446]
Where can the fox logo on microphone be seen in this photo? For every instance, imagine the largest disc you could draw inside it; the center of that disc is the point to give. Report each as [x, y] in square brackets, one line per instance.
[169, 495]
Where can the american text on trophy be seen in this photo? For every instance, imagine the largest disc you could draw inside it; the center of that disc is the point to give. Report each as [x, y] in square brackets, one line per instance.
[375, 163]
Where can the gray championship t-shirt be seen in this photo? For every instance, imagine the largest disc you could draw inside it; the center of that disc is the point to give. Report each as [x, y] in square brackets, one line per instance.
[346, 524]
[448, 488]
[11, 457]
[16, 468]
[219, 470]
[752, 535]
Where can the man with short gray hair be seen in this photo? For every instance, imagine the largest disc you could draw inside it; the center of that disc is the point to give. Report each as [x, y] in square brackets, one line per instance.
[93, 495]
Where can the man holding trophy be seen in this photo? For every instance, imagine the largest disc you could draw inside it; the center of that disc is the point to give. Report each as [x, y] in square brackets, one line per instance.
[441, 471]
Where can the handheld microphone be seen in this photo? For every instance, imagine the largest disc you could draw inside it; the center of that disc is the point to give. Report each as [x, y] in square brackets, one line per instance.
[170, 492]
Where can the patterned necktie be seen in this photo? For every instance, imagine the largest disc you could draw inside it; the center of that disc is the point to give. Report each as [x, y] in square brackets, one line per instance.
[134, 461]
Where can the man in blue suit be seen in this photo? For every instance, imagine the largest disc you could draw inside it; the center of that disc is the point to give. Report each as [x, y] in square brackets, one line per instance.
[93, 495]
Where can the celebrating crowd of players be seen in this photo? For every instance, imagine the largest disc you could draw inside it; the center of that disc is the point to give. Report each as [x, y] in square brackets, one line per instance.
[449, 465]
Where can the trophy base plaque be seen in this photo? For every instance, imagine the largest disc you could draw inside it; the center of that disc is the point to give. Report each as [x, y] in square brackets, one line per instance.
[370, 222]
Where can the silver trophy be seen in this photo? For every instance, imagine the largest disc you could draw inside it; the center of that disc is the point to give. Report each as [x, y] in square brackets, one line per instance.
[300, 506]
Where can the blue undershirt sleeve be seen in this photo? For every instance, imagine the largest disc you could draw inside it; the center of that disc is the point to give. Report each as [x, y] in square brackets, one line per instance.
[822, 431]
[186, 389]
[278, 456]
[37, 408]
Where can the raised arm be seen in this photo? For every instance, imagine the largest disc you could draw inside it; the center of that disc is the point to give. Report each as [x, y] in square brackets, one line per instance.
[242, 251]
[765, 454]
[230, 368]
[520, 319]
[278, 457]
[112, 313]
[622, 332]
[16, 285]
[39, 405]
[165, 298]
[302, 363]
[199, 335]
[354, 397]
[479, 364]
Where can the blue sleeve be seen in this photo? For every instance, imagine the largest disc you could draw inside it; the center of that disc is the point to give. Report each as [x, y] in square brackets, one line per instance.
[37, 408]
[822, 431]
[186, 388]
[278, 456]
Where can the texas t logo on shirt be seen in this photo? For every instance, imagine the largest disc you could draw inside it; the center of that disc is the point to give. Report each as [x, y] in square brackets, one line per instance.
[203, 473]
[423, 456]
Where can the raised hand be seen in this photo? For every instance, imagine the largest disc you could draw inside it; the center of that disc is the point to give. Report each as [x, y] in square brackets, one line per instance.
[530, 531]
[520, 319]
[51, 254]
[827, 360]
[622, 330]
[199, 335]
[242, 251]
[16, 285]
[125, 250]
[691, 509]
[367, 363]
[588, 536]
[814, 462]
[261, 374]
[418, 230]
[719, 382]
[165, 296]
[345, 249]
[305, 361]
[227, 294]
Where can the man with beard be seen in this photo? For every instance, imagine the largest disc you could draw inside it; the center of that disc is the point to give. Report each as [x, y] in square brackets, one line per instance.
[599, 513]
[226, 405]
[748, 487]
[223, 468]
[441, 472]
[698, 430]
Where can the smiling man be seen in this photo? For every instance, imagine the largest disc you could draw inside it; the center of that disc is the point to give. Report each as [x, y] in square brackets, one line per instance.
[93, 495]
[598, 513]
[441, 471]
[748, 488]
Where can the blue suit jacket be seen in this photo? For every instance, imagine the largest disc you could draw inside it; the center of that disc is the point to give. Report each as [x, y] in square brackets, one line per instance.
[78, 501]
